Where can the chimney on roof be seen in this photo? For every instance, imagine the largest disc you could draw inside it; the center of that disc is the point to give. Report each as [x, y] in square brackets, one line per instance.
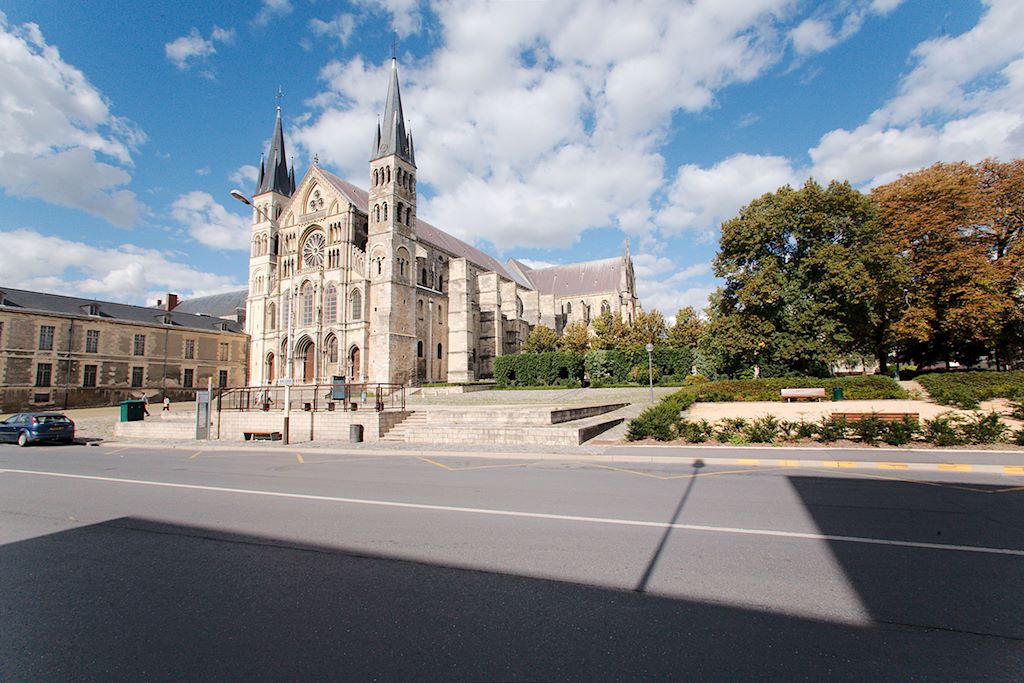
[172, 302]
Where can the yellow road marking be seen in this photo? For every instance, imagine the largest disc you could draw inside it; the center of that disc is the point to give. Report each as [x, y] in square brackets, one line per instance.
[194, 455]
[298, 456]
[475, 467]
[950, 467]
[1013, 469]
[789, 463]
[838, 463]
[893, 465]
[748, 461]
[918, 481]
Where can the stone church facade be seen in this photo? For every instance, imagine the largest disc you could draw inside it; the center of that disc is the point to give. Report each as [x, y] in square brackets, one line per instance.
[344, 281]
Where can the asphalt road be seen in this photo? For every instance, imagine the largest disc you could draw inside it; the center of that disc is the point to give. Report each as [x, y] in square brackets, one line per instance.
[140, 564]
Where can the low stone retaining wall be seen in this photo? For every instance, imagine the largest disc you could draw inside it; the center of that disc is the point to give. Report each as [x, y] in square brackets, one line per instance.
[455, 389]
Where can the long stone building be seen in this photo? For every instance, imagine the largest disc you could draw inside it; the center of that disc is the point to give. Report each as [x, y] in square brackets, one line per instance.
[345, 281]
[66, 351]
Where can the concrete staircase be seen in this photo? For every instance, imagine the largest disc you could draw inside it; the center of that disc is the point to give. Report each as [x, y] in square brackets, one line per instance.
[507, 425]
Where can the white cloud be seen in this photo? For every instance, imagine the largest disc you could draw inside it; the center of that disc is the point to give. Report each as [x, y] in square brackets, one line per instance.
[812, 35]
[340, 27]
[701, 198]
[246, 174]
[125, 273]
[203, 170]
[53, 125]
[406, 17]
[553, 124]
[535, 264]
[961, 101]
[210, 223]
[272, 9]
[884, 6]
[187, 50]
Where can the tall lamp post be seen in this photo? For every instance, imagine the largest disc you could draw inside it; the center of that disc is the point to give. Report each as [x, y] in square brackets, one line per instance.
[287, 379]
[650, 368]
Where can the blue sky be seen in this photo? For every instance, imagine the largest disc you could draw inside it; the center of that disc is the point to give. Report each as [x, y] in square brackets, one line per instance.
[548, 131]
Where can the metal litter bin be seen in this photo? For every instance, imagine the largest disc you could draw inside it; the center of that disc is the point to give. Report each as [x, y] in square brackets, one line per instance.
[355, 433]
[133, 411]
[837, 393]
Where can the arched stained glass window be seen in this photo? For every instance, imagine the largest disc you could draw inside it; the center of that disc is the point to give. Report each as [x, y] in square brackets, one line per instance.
[357, 305]
[331, 304]
[307, 304]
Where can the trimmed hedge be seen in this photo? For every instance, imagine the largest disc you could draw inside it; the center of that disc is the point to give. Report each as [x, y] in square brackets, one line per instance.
[555, 368]
[859, 387]
[966, 389]
[622, 366]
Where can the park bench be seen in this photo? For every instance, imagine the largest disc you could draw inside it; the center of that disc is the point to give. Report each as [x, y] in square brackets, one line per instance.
[790, 394]
[262, 436]
[884, 417]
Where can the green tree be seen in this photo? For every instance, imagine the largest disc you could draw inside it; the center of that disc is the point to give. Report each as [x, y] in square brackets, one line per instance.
[610, 332]
[648, 328]
[801, 270]
[575, 338]
[686, 331]
[541, 339]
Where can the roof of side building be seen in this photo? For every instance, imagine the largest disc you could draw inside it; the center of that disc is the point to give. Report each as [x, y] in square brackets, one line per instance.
[220, 305]
[42, 302]
[575, 279]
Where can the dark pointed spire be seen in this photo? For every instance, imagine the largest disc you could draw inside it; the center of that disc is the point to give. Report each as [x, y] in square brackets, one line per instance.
[259, 180]
[276, 178]
[393, 139]
[291, 178]
[412, 153]
[376, 142]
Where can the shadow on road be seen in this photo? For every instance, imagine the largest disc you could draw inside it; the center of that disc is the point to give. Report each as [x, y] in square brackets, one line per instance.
[140, 599]
[641, 586]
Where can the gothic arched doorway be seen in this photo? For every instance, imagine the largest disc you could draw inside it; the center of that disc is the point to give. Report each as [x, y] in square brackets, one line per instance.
[354, 365]
[270, 369]
[306, 352]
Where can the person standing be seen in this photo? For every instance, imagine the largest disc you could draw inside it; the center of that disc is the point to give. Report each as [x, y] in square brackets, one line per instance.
[167, 405]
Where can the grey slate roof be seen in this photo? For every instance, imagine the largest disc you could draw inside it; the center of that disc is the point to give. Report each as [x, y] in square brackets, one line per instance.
[42, 302]
[425, 231]
[215, 305]
[575, 279]
[392, 138]
[275, 177]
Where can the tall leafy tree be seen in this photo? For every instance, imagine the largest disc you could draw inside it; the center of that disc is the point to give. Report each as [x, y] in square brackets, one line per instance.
[686, 331]
[950, 233]
[648, 328]
[610, 332]
[575, 337]
[802, 283]
[541, 340]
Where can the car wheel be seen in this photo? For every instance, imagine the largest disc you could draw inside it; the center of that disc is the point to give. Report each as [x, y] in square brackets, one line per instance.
[22, 439]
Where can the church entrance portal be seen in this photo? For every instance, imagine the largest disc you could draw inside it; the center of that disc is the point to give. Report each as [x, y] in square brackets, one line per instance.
[307, 352]
[354, 365]
[270, 368]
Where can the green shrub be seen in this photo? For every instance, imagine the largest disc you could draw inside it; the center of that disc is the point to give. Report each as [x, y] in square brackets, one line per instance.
[832, 429]
[660, 421]
[984, 428]
[859, 387]
[806, 430]
[729, 428]
[967, 388]
[944, 430]
[1018, 437]
[695, 431]
[902, 432]
[620, 366]
[695, 379]
[762, 430]
[868, 429]
[1017, 404]
[787, 430]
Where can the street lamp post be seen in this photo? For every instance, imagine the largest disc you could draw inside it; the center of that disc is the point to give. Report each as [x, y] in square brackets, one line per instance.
[650, 368]
[287, 379]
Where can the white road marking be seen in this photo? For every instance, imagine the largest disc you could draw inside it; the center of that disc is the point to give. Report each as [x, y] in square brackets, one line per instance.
[535, 515]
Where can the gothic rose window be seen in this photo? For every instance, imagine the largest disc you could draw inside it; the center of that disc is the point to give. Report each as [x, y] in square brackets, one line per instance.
[313, 250]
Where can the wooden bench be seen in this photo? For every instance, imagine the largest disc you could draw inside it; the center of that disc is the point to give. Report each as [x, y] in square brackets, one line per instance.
[789, 394]
[884, 417]
[262, 436]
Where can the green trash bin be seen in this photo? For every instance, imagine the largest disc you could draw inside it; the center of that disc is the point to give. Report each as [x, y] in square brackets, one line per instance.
[132, 411]
[837, 393]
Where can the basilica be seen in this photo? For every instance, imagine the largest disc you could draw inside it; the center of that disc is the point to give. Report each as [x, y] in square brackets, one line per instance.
[345, 281]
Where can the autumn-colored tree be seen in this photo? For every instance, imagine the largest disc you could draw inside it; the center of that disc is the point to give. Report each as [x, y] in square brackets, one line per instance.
[575, 337]
[952, 227]
[686, 331]
[541, 340]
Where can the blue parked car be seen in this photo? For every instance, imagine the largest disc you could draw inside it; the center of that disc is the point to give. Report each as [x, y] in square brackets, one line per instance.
[26, 428]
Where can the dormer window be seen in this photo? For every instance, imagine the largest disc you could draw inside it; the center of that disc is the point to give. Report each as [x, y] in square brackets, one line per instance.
[165, 319]
[3, 296]
[91, 309]
[223, 326]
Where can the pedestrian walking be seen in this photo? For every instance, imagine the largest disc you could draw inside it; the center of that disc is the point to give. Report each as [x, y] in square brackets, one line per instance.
[167, 405]
[145, 405]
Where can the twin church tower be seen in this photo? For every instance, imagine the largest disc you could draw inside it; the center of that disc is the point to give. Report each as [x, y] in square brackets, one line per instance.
[348, 282]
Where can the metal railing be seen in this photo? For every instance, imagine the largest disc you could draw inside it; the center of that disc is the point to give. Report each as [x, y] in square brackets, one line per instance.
[313, 397]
